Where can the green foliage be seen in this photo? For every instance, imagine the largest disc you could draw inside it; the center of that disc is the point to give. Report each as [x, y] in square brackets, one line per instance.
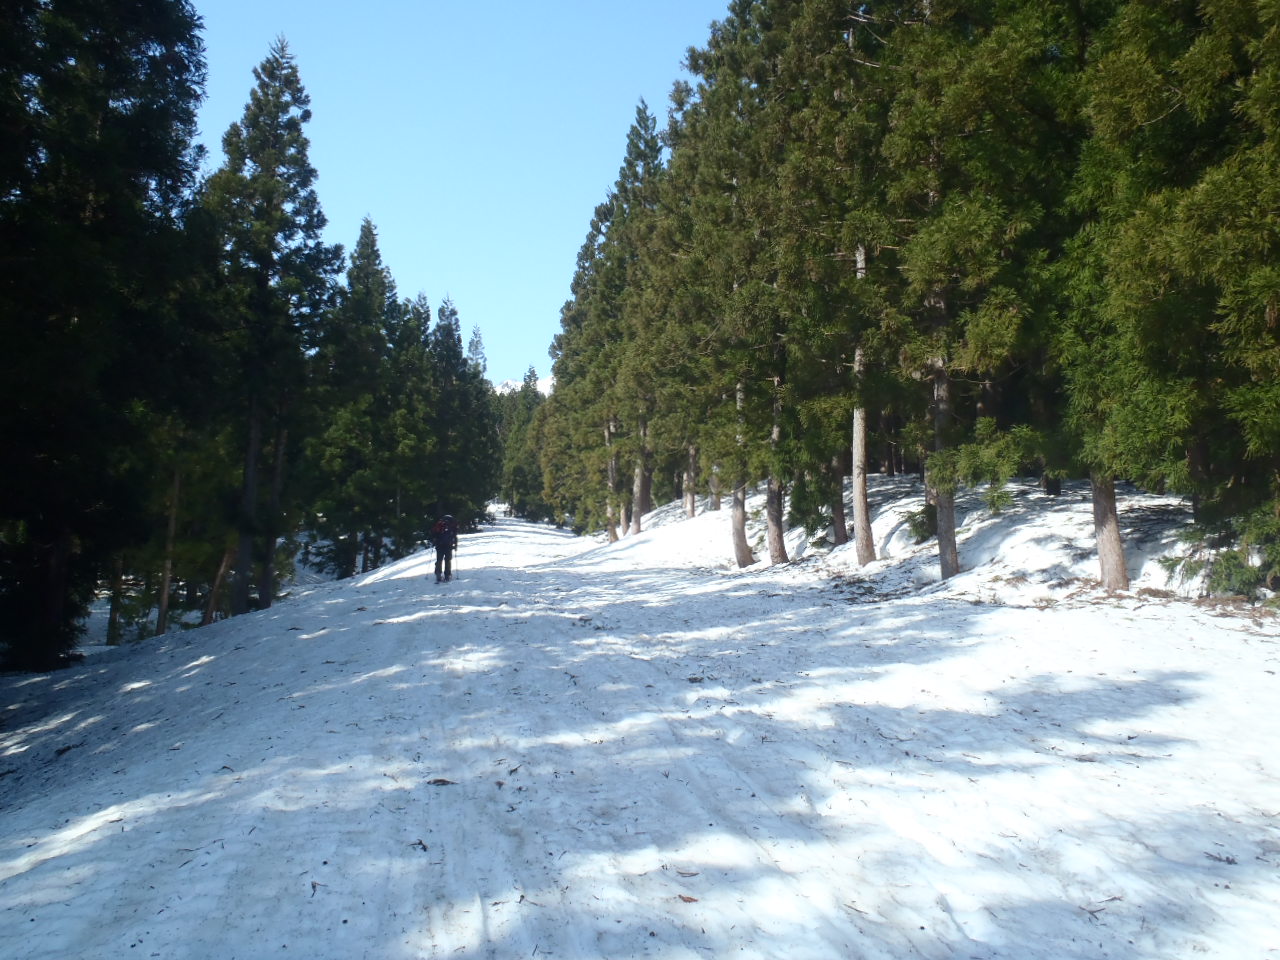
[518, 430]
[808, 505]
[923, 523]
[1237, 555]
[1232, 572]
[994, 457]
[1020, 237]
[182, 385]
[98, 107]
[1248, 558]
[276, 292]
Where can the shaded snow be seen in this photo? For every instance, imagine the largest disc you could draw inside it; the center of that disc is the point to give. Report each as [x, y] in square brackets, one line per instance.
[583, 750]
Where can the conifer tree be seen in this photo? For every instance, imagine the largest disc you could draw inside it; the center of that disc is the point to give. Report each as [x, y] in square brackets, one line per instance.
[600, 360]
[521, 469]
[465, 465]
[97, 108]
[976, 155]
[631, 225]
[278, 283]
[735, 131]
[350, 455]
[1168, 345]
[410, 389]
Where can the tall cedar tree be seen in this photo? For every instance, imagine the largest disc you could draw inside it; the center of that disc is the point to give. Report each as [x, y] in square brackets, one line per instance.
[278, 283]
[465, 467]
[1173, 343]
[521, 471]
[977, 157]
[349, 462]
[599, 361]
[740, 119]
[631, 226]
[1036, 236]
[97, 114]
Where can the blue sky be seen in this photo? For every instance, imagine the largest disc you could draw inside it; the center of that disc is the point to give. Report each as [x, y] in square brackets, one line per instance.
[478, 137]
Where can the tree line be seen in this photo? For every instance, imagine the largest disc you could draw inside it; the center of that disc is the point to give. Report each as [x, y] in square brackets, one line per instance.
[974, 239]
[191, 375]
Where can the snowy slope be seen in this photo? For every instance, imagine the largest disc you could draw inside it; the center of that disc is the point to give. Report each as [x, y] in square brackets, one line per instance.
[582, 750]
[545, 385]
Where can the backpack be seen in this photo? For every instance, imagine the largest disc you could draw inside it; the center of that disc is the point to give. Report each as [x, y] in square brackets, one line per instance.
[445, 533]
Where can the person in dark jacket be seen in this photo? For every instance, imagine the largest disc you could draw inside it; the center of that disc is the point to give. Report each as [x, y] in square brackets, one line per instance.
[445, 536]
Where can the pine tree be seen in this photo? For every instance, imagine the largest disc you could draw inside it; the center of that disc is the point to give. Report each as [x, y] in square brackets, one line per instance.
[630, 231]
[521, 469]
[1171, 344]
[977, 154]
[350, 453]
[279, 278]
[409, 432]
[585, 359]
[97, 105]
[735, 132]
[465, 467]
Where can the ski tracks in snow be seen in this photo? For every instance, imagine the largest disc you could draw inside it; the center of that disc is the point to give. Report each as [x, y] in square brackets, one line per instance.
[593, 753]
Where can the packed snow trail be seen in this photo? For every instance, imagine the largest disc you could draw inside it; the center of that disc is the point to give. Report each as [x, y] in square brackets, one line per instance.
[582, 751]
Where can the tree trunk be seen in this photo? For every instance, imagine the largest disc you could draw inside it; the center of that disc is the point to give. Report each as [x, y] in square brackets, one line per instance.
[271, 531]
[211, 608]
[611, 519]
[248, 521]
[775, 524]
[839, 523]
[889, 465]
[642, 490]
[166, 574]
[741, 549]
[944, 496]
[775, 527]
[713, 488]
[611, 495]
[864, 544]
[117, 599]
[738, 520]
[53, 640]
[1106, 531]
[641, 496]
[690, 483]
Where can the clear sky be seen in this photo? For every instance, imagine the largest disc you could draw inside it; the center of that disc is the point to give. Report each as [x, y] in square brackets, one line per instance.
[478, 137]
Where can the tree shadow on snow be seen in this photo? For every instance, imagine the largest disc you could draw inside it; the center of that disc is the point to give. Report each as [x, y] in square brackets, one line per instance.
[531, 763]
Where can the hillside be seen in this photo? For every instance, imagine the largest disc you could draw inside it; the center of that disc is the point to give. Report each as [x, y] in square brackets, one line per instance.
[582, 750]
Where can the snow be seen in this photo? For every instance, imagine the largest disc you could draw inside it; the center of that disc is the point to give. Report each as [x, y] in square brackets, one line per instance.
[545, 385]
[583, 750]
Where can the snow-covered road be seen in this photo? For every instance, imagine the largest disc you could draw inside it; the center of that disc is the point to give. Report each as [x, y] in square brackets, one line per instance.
[581, 751]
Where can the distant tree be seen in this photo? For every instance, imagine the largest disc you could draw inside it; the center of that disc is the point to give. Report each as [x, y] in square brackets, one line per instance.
[521, 467]
[349, 453]
[409, 428]
[465, 466]
[475, 350]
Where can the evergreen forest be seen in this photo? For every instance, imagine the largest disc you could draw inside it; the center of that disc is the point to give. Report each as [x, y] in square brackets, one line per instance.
[196, 388]
[972, 240]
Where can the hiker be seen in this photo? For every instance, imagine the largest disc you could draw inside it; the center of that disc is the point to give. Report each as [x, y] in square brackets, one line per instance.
[445, 536]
